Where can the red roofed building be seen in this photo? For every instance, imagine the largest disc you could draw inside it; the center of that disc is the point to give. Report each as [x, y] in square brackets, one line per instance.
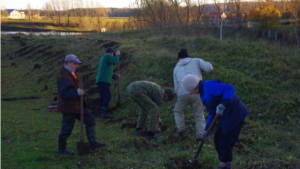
[213, 15]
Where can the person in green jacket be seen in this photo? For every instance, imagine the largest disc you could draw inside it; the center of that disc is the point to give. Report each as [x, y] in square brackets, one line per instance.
[104, 79]
[149, 96]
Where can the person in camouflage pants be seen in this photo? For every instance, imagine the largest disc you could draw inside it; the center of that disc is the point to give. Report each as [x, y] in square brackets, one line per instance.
[149, 96]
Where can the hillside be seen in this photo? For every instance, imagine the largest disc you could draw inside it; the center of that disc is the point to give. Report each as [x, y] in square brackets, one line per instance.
[265, 74]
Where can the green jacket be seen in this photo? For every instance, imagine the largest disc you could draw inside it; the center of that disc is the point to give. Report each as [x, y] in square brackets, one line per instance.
[105, 68]
[154, 91]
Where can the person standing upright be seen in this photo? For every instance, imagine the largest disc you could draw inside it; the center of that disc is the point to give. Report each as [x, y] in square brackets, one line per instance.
[69, 105]
[104, 78]
[186, 66]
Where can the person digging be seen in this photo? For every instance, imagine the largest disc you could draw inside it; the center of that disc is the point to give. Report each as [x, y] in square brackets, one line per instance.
[148, 96]
[220, 99]
[104, 79]
[69, 105]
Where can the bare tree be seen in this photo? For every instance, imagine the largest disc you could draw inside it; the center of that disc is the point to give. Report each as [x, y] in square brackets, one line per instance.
[163, 12]
[188, 4]
[79, 10]
[235, 6]
[200, 8]
[29, 11]
[66, 6]
[176, 6]
[294, 8]
[100, 12]
[57, 7]
[4, 13]
[90, 12]
[49, 11]
[218, 5]
[146, 12]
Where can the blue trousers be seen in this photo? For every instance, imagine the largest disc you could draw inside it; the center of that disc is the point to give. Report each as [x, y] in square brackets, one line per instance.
[225, 142]
[68, 122]
[104, 94]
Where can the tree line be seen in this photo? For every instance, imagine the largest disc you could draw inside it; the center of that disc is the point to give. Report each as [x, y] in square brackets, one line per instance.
[88, 15]
[168, 12]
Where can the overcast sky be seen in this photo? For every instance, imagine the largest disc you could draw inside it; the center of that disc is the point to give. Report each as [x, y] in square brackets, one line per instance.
[38, 4]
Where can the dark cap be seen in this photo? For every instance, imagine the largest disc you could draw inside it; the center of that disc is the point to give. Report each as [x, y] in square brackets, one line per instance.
[170, 93]
[110, 50]
[72, 58]
[183, 53]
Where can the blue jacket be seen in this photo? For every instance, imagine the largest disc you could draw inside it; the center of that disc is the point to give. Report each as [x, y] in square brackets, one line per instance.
[214, 92]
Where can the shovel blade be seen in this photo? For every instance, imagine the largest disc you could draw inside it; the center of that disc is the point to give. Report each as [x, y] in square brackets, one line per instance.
[83, 148]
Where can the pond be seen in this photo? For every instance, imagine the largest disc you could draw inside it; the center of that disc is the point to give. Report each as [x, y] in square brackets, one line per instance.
[44, 33]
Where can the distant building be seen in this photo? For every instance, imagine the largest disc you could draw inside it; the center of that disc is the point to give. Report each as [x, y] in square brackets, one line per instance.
[214, 15]
[15, 14]
[103, 29]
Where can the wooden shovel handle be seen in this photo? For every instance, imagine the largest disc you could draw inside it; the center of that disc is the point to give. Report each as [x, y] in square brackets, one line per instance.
[212, 125]
[81, 110]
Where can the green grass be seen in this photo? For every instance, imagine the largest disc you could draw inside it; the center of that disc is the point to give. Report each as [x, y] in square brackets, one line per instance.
[266, 77]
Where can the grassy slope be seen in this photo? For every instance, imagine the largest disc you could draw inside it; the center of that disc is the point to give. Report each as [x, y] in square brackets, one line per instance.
[265, 76]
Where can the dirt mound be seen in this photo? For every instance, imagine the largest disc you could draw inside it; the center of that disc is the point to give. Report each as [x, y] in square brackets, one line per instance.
[173, 136]
[20, 98]
[141, 142]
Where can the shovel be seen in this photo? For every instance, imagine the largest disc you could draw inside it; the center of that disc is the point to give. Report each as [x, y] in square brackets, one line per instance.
[118, 104]
[212, 125]
[119, 97]
[82, 147]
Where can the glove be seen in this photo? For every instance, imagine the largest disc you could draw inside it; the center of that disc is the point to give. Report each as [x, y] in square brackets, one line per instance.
[80, 92]
[220, 109]
[203, 134]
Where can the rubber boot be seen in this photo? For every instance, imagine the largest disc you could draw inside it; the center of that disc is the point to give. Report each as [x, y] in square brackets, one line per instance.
[104, 113]
[62, 144]
[90, 132]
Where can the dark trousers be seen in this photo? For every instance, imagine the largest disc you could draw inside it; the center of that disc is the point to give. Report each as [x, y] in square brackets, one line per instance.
[104, 94]
[225, 142]
[68, 122]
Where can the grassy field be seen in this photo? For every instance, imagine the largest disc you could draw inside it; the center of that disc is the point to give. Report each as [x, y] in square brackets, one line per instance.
[266, 77]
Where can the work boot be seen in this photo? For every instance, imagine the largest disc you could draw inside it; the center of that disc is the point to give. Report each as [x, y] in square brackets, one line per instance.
[182, 135]
[62, 144]
[104, 113]
[90, 132]
[150, 135]
[140, 132]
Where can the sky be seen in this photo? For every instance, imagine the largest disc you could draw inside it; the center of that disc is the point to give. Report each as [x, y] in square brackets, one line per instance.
[38, 4]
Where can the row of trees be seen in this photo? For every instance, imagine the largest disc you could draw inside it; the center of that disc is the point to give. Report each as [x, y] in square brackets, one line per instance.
[166, 12]
[88, 15]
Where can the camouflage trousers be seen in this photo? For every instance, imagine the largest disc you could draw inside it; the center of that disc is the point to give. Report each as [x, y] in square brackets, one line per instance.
[147, 109]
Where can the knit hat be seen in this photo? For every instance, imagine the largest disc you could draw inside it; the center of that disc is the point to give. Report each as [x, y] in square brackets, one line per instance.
[110, 50]
[183, 53]
[72, 58]
[190, 82]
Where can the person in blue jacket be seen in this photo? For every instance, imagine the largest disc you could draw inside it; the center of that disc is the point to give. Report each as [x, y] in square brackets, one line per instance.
[220, 98]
